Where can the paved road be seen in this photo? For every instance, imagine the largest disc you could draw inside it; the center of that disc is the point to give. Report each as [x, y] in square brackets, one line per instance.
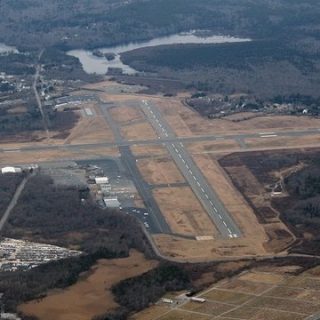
[200, 186]
[12, 203]
[158, 221]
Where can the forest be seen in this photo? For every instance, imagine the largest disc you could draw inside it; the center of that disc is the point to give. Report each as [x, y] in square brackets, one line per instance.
[103, 23]
[230, 55]
[56, 215]
[53, 214]
[283, 59]
[8, 185]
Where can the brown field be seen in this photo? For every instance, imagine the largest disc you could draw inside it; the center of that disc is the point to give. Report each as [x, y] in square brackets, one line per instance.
[110, 87]
[272, 298]
[151, 313]
[160, 171]
[243, 286]
[91, 295]
[302, 307]
[138, 131]
[149, 150]
[233, 200]
[229, 297]
[90, 130]
[212, 146]
[186, 121]
[17, 157]
[280, 237]
[183, 315]
[200, 251]
[210, 308]
[261, 314]
[19, 109]
[183, 212]
[124, 115]
[263, 277]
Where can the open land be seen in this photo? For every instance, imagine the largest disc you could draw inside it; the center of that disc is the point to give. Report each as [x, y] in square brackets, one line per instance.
[261, 293]
[91, 295]
[183, 212]
[118, 119]
[160, 171]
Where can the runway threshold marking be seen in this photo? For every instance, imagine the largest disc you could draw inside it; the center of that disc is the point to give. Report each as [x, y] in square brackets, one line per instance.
[269, 136]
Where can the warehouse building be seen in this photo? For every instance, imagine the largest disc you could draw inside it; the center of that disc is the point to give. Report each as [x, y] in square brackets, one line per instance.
[10, 170]
[112, 202]
[102, 180]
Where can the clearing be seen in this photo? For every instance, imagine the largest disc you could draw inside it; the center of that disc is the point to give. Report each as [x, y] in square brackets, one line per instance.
[183, 212]
[91, 295]
[160, 171]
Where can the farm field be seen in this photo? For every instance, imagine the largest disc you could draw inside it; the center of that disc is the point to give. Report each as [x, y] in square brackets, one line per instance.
[257, 294]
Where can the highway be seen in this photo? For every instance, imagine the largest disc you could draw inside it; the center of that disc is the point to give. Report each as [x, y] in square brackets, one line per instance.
[198, 183]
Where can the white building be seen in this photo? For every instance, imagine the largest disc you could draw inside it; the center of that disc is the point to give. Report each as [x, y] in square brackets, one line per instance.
[101, 180]
[11, 170]
[112, 202]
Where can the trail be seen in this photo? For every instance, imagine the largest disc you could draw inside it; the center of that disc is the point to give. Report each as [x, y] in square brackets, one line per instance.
[13, 202]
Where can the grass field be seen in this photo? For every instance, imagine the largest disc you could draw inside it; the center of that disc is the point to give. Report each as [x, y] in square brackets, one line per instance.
[125, 114]
[91, 295]
[213, 146]
[187, 122]
[147, 150]
[232, 199]
[138, 131]
[160, 171]
[183, 212]
[90, 130]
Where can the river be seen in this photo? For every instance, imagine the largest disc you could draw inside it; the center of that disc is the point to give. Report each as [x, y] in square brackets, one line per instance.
[100, 65]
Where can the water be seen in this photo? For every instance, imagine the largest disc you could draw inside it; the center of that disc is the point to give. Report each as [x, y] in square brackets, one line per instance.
[92, 64]
[6, 49]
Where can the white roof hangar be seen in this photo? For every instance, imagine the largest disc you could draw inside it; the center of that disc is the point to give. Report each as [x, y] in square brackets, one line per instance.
[112, 202]
[101, 180]
[5, 170]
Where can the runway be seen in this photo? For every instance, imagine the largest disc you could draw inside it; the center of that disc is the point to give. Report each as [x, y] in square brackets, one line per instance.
[123, 143]
[198, 183]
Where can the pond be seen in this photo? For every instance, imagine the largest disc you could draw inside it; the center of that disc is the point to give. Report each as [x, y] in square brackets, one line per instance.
[96, 62]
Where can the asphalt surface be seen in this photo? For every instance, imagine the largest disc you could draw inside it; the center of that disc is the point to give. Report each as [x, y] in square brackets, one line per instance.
[158, 222]
[122, 143]
[184, 161]
[198, 183]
